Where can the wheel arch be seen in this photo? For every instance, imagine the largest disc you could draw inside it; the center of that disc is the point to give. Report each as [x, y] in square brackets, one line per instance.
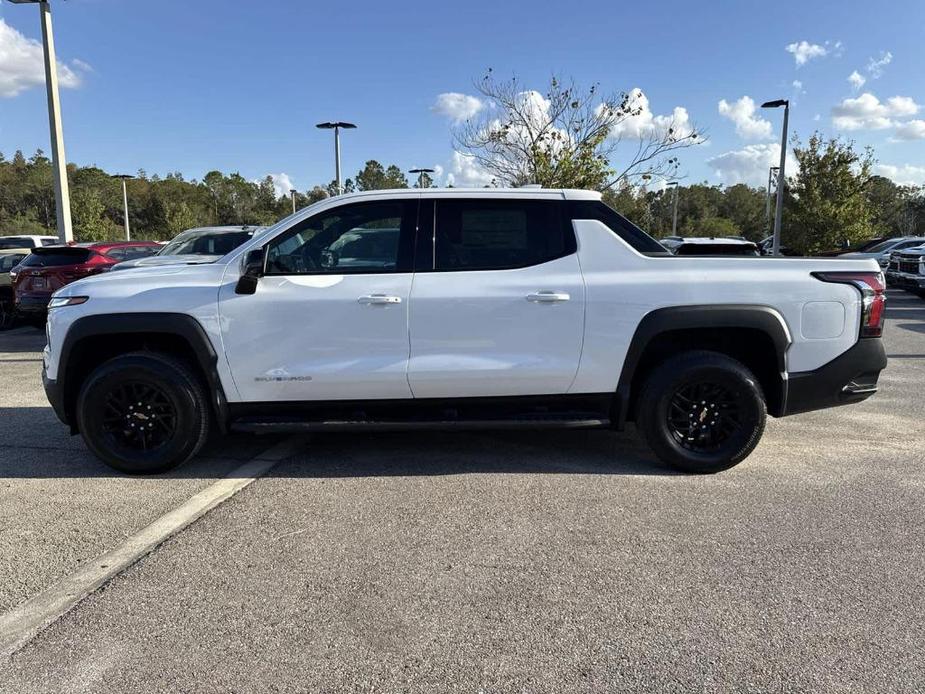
[749, 333]
[92, 340]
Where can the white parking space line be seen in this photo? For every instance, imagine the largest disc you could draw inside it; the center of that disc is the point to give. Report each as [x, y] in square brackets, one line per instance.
[23, 623]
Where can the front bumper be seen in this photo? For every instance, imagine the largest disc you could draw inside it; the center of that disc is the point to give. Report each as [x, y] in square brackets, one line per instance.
[55, 394]
[851, 377]
[907, 280]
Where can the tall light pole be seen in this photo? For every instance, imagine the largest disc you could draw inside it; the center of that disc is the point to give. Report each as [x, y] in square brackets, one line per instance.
[58, 158]
[674, 214]
[125, 177]
[420, 173]
[767, 198]
[336, 126]
[781, 178]
[292, 192]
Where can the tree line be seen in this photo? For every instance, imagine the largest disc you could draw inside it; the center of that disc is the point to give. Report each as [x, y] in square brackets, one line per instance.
[832, 201]
[159, 208]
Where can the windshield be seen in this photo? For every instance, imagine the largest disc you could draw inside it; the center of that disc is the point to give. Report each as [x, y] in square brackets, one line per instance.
[206, 243]
[58, 256]
[882, 246]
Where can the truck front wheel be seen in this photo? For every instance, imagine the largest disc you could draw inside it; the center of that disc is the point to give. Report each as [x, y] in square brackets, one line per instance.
[143, 413]
[701, 411]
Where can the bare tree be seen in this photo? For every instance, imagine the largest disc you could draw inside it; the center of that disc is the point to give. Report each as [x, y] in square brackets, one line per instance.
[570, 137]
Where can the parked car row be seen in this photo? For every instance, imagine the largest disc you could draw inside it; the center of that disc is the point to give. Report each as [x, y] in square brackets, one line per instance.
[906, 269]
[32, 268]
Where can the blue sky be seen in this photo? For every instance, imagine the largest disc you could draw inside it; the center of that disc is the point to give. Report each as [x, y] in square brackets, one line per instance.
[233, 85]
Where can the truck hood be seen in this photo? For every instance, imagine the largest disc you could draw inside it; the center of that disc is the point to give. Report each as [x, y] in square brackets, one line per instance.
[147, 280]
[188, 259]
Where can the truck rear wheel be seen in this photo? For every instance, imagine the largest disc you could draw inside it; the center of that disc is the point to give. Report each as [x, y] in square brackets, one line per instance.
[702, 411]
[143, 413]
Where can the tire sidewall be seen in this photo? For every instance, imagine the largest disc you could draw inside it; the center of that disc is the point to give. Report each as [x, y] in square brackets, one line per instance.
[175, 385]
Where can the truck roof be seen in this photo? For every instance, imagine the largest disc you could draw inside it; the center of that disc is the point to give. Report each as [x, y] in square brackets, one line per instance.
[525, 192]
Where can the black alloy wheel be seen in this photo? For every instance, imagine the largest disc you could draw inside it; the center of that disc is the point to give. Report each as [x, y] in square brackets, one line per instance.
[701, 411]
[143, 412]
[139, 416]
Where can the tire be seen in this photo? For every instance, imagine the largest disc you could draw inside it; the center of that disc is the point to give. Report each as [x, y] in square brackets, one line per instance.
[707, 436]
[143, 413]
[7, 314]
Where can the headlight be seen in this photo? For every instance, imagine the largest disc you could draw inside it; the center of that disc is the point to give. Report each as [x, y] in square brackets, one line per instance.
[59, 301]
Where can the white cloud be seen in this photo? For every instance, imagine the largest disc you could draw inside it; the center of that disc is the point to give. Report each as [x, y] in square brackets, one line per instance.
[466, 173]
[22, 64]
[804, 51]
[457, 107]
[282, 183]
[867, 112]
[742, 113]
[910, 130]
[797, 85]
[643, 123]
[748, 165]
[902, 106]
[875, 66]
[857, 80]
[904, 175]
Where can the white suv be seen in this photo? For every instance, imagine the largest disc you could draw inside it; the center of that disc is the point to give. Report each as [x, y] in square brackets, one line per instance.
[460, 308]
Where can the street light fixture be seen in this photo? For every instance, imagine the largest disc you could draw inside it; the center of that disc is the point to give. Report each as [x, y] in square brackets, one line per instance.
[674, 214]
[58, 158]
[336, 127]
[420, 173]
[125, 177]
[292, 192]
[781, 179]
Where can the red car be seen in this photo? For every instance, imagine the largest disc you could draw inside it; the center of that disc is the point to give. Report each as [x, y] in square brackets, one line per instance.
[49, 268]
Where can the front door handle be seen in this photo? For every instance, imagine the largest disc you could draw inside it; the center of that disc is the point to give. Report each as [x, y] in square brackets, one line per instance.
[378, 300]
[547, 297]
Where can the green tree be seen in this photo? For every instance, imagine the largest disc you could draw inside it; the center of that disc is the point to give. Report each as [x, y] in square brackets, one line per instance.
[828, 206]
[374, 176]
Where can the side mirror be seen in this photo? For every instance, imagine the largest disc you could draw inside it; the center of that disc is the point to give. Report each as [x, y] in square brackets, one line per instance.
[252, 267]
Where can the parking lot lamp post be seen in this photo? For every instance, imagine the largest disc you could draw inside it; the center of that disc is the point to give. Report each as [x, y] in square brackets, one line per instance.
[781, 179]
[767, 200]
[336, 127]
[674, 214]
[125, 177]
[58, 158]
[420, 173]
[292, 192]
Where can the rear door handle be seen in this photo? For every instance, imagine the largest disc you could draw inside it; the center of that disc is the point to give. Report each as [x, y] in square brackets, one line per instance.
[378, 299]
[547, 297]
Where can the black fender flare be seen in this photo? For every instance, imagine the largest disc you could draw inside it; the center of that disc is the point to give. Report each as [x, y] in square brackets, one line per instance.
[175, 324]
[672, 318]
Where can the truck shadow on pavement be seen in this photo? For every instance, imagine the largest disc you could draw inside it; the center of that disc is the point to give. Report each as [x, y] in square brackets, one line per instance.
[33, 444]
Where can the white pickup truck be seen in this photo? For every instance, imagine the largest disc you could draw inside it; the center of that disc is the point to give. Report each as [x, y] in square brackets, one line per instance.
[460, 309]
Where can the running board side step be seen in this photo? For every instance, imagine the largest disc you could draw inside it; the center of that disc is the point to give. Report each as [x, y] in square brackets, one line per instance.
[295, 427]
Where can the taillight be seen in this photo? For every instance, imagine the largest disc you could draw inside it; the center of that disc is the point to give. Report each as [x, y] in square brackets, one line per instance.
[873, 297]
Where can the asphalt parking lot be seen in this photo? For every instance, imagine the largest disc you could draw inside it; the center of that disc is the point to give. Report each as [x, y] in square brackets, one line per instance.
[484, 562]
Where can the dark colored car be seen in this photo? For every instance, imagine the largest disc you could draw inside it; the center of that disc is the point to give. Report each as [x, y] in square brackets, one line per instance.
[49, 268]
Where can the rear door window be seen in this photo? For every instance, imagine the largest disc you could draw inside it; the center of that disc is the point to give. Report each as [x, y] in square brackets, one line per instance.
[499, 234]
